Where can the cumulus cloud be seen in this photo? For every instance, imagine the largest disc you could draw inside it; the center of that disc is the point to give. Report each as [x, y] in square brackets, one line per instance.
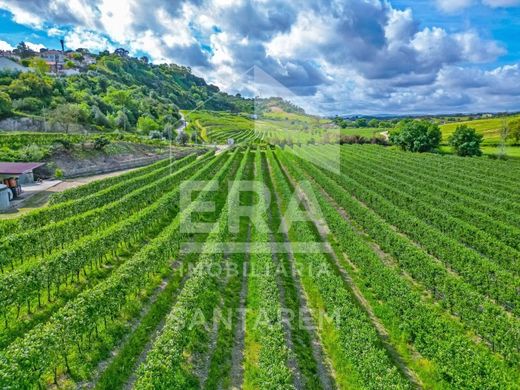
[55, 32]
[35, 46]
[5, 46]
[342, 56]
[80, 37]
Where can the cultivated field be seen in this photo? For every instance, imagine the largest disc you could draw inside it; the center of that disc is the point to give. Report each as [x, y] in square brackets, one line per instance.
[277, 127]
[400, 271]
[489, 128]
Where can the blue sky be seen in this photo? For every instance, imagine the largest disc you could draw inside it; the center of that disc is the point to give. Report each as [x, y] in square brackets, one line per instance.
[348, 56]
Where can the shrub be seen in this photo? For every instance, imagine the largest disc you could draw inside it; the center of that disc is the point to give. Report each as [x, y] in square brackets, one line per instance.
[28, 104]
[67, 145]
[32, 153]
[6, 105]
[155, 134]
[58, 173]
[101, 142]
[379, 141]
[465, 141]
[353, 139]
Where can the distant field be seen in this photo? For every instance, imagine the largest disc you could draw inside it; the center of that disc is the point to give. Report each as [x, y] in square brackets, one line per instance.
[511, 151]
[490, 128]
[365, 132]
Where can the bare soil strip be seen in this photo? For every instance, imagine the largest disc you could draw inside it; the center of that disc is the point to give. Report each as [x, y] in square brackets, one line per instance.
[292, 362]
[237, 355]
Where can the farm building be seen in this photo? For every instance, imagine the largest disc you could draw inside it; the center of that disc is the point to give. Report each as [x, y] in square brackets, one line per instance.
[12, 176]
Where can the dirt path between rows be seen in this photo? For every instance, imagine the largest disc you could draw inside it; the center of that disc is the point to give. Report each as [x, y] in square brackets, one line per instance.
[237, 355]
[324, 366]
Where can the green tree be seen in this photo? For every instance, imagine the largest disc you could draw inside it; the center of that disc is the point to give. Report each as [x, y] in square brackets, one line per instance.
[416, 136]
[28, 104]
[122, 121]
[39, 65]
[6, 105]
[168, 131]
[373, 123]
[361, 122]
[465, 141]
[183, 138]
[30, 84]
[146, 124]
[66, 115]
[23, 50]
[99, 118]
[514, 130]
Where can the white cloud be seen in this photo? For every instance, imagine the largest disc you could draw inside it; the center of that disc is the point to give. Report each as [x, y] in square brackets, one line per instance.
[86, 39]
[35, 46]
[451, 6]
[454, 5]
[21, 15]
[5, 46]
[116, 18]
[342, 56]
[55, 32]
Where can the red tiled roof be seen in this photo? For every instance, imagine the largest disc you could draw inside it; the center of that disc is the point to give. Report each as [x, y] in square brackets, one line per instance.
[18, 168]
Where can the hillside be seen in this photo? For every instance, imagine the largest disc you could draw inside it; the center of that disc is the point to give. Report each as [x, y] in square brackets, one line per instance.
[114, 92]
[488, 127]
[273, 126]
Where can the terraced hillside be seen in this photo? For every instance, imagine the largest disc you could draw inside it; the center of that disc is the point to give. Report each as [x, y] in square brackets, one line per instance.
[400, 271]
[274, 127]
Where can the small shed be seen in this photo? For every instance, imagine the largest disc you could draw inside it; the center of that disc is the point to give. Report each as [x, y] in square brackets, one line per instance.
[24, 172]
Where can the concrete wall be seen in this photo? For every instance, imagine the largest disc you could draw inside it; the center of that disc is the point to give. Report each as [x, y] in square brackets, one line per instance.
[4, 198]
[38, 125]
[26, 178]
[112, 167]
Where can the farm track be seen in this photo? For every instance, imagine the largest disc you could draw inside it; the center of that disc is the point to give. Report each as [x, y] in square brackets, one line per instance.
[398, 296]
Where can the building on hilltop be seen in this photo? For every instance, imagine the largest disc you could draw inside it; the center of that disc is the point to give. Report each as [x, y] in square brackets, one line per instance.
[54, 58]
